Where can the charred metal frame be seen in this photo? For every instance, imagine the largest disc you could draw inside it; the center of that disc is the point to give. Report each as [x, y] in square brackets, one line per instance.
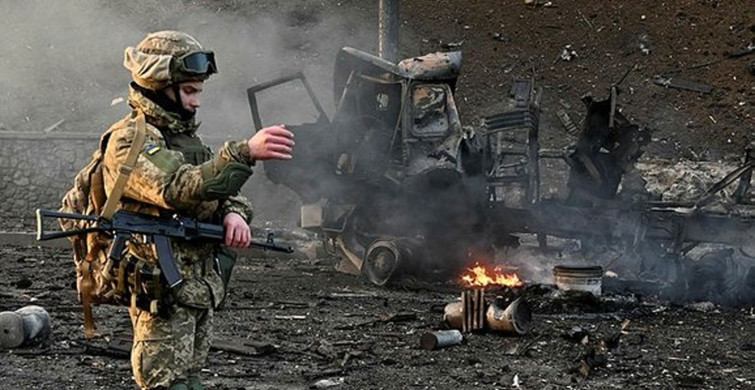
[510, 155]
[253, 91]
[525, 117]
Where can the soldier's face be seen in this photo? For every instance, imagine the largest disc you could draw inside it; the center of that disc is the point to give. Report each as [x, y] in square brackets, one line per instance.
[190, 92]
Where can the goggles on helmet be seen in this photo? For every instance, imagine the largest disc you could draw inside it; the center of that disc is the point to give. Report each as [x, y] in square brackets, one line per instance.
[198, 62]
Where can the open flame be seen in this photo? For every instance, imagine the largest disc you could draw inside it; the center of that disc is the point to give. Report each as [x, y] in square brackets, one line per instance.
[478, 276]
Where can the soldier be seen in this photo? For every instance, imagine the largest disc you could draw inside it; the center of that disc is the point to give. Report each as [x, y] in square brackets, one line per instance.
[176, 173]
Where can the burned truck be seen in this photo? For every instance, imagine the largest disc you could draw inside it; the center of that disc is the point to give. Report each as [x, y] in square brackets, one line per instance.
[393, 181]
[393, 175]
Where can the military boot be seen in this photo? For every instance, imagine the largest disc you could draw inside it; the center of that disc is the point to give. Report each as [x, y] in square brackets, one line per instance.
[195, 384]
[178, 386]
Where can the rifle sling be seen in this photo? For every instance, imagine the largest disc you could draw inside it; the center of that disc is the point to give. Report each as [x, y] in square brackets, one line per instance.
[108, 211]
[124, 172]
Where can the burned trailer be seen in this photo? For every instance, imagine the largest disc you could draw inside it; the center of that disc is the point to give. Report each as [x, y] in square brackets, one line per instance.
[603, 186]
[607, 204]
[393, 180]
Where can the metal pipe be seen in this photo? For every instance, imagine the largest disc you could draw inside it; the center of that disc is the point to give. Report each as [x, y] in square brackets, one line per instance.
[388, 24]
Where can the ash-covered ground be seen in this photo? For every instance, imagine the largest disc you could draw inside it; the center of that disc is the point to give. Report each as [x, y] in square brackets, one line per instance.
[299, 324]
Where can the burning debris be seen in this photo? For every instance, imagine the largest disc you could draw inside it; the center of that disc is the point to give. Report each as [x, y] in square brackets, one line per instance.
[505, 312]
[478, 277]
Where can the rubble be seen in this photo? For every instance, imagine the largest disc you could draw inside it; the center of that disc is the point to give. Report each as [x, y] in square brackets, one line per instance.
[683, 180]
[742, 52]
[569, 125]
[327, 383]
[670, 82]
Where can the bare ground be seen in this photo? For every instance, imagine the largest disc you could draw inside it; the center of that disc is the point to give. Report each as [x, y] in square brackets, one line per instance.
[686, 39]
[326, 326]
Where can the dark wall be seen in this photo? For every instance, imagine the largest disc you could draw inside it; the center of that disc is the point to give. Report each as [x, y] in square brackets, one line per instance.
[35, 171]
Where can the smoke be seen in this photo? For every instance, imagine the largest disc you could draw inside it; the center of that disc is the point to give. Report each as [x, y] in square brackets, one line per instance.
[62, 60]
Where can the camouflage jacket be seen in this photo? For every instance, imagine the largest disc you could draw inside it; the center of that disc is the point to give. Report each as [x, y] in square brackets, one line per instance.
[168, 177]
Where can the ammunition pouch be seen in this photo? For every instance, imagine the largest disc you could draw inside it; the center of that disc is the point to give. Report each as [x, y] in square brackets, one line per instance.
[225, 183]
[140, 284]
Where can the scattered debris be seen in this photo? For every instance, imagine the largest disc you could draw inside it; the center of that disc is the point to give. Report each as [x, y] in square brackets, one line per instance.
[501, 37]
[567, 53]
[570, 127]
[327, 383]
[108, 351]
[291, 317]
[703, 307]
[452, 45]
[591, 359]
[243, 347]
[576, 334]
[440, 339]
[117, 101]
[644, 44]
[585, 19]
[53, 126]
[354, 295]
[742, 52]
[397, 317]
[669, 82]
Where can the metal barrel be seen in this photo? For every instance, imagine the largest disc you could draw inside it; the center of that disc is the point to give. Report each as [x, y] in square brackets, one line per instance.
[440, 339]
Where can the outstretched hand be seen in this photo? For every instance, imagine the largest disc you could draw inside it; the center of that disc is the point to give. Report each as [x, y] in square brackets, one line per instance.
[237, 232]
[272, 143]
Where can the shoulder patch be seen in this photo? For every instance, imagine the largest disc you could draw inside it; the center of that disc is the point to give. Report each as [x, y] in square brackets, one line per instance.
[151, 149]
[164, 159]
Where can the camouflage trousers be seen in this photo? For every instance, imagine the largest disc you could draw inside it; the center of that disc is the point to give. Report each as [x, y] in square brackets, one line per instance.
[169, 349]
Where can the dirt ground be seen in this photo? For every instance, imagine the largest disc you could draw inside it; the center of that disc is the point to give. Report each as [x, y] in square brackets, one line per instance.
[686, 40]
[327, 326]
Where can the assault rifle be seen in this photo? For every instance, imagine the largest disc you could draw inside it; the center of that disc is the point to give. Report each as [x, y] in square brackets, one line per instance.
[159, 230]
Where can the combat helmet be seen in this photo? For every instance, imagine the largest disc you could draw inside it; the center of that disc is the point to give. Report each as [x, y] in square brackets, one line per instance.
[166, 58]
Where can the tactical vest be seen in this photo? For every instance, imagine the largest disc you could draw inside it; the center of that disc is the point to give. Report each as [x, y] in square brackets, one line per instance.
[189, 145]
[196, 153]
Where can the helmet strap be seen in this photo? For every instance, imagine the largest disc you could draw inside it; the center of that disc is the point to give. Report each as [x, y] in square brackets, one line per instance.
[177, 93]
[162, 99]
[184, 113]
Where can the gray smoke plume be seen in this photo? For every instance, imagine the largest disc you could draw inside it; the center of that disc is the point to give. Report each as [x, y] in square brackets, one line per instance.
[62, 60]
